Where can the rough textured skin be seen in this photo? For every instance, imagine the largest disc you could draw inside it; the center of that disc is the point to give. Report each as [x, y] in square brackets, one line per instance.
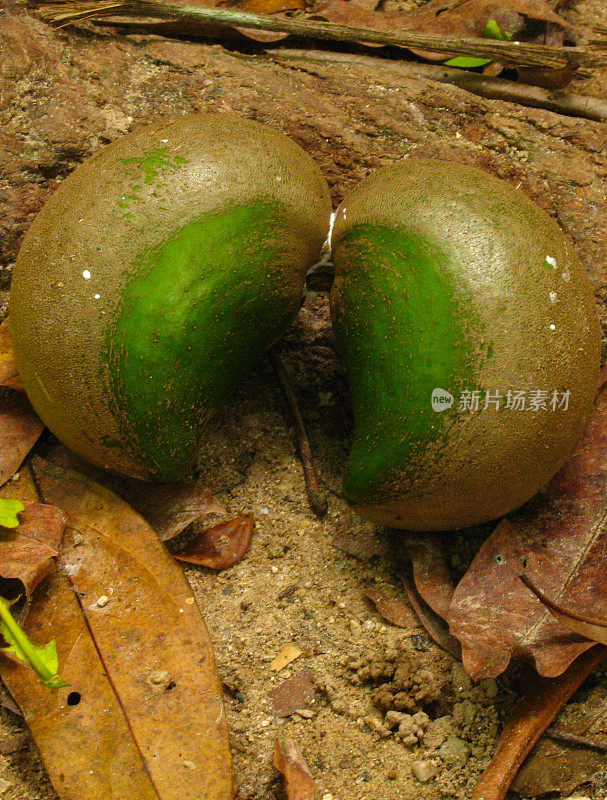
[448, 278]
[154, 278]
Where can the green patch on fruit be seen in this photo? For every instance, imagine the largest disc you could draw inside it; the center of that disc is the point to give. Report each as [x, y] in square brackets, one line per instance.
[201, 310]
[8, 512]
[404, 331]
[151, 165]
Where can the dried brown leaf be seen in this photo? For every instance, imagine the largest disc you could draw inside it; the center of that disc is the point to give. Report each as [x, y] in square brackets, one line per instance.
[9, 374]
[28, 552]
[296, 692]
[271, 6]
[431, 621]
[144, 623]
[430, 571]
[20, 428]
[288, 760]
[454, 18]
[392, 609]
[170, 508]
[221, 546]
[594, 629]
[559, 539]
[558, 765]
[533, 714]
[80, 730]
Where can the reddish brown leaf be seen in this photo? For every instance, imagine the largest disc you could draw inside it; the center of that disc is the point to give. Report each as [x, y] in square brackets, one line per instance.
[288, 760]
[221, 546]
[430, 571]
[20, 428]
[532, 716]
[9, 374]
[28, 552]
[170, 508]
[392, 609]
[559, 540]
[591, 628]
[271, 6]
[296, 692]
[446, 17]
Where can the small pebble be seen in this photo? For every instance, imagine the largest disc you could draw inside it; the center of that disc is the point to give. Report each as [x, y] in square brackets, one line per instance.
[189, 765]
[16, 476]
[423, 770]
[274, 569]
[306, 713]
[265, 723]
[103, 600]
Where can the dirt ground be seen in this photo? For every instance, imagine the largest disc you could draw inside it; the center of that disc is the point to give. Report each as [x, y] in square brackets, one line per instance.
[388, 715]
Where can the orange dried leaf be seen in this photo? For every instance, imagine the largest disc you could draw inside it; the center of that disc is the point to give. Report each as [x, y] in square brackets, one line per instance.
[9, 374]
[392, 609]
[284, 657]
[289, 761]
[271, 6]
[20, 428]
[167, 731]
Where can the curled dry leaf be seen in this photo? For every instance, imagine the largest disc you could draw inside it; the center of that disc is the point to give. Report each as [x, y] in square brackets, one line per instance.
[133, 600]
[430, 571]
[9, 374]
[559, 540]
[20, 428]
[221, 546]
[289, 761]
[594, 629]
[432, 622]
[534, 712]
[392, 609]
[28, 552]
[170, 508]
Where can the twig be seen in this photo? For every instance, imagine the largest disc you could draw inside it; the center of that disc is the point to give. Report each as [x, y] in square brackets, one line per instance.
[534, 712]
[316, 496]
[572, 738]
[522, 53]
[573, 105]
